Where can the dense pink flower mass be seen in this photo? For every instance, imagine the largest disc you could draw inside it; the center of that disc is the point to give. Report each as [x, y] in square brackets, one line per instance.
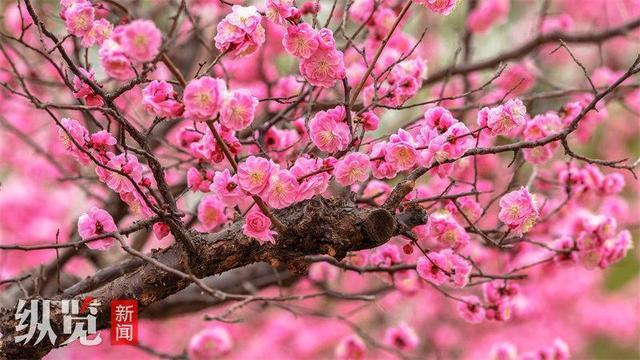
[96, 222]
[317, 179]
[121, 172]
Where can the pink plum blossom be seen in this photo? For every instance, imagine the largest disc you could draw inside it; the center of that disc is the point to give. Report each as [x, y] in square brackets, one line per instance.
[226, 187]
[254, 174]
[310, 185]
[203, 98]
[369, 120]
[79, 18]
[84, 90]
[74, 137]
[160, 98]
[121, 172]
[100, 31]
[385, 255]
[199, 180]
[471, 309]
[238, 109]
[240, 32]
[161, 230]
[431, 268]
[210, 343]
[94, 223]
[354, 167]
[211, 212]
[444, 7]
[257, 225]
[328, 130]
[445, 229]
[324, 67]
[102, 141]
[381, 168]
[300, 41]
[140, 40]
[519, 210]
[401, 337]
[279, 11]
[350, 348]
[400, 151]
[503, 118]
[114, 61]
[282, 190]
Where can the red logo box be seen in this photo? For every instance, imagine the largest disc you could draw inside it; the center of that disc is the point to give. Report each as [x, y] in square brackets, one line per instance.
[124, 322]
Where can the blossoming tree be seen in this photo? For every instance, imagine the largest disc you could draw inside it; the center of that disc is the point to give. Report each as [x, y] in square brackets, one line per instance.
[350, 179]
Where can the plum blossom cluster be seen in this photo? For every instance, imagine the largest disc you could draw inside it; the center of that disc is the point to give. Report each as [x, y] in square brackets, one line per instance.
[259, 177]
[503, 119]
[240, 33]
[129, 46]
[320, 62]
[499, 296]
[435, 139]
[590, 179]
[121, 172]
[596, 242]
[159, 98]
[519, 210]
[399, 84]
[80, 19]
[443, 267]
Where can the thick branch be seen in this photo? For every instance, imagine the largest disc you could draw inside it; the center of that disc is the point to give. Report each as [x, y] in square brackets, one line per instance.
[316, 226]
